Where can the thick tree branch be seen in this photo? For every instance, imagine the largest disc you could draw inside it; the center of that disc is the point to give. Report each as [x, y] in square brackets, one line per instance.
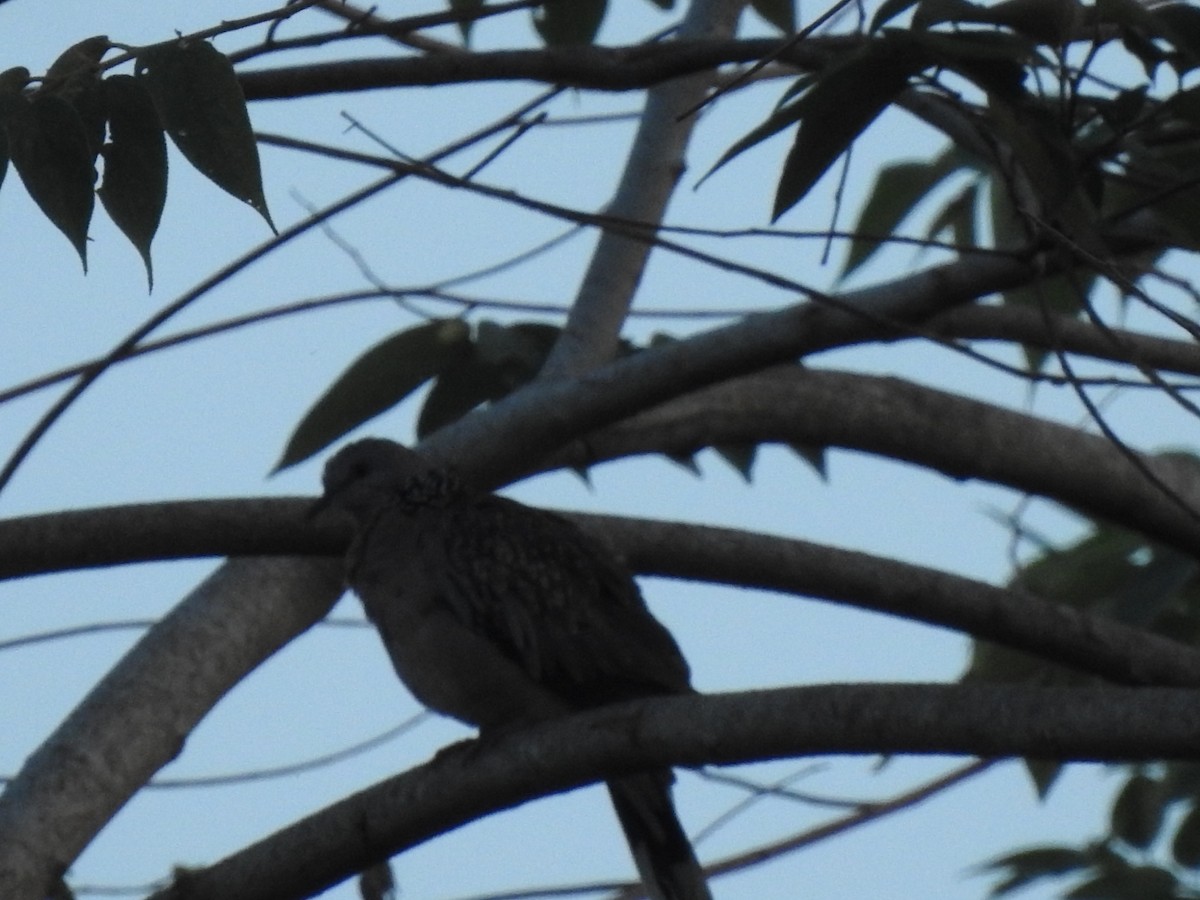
[595, 68]
[956, 436]
[137, 718]
[652, 170]
[1050, 630]
[509, 439]
[978, 720]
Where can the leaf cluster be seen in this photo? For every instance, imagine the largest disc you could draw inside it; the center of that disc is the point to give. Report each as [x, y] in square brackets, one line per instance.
[57, 133]
[1048, 155]
[1152, 849]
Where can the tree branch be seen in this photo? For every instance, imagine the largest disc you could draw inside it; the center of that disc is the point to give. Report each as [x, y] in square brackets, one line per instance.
[596, 68]
[329, 846]
[136, 719]
[652, 170]
[959, 437]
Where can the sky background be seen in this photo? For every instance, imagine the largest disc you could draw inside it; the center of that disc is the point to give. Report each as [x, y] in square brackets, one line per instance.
[209, 419]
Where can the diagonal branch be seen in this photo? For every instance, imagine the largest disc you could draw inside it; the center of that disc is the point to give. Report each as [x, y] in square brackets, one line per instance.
[652, 170]
[135, 721]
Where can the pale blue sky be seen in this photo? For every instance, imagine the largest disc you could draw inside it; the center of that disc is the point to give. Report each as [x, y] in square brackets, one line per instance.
[209, 420]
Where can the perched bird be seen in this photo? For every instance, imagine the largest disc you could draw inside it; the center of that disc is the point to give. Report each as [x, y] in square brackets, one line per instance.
[499, 614]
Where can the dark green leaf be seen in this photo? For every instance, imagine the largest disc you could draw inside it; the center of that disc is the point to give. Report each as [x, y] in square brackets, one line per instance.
[1138, 811]
[202, 108]
[461, 387]
[1179, 23]
[958, 217]
[740, 456]
[1185, 846]
[1125, 882]
[76, 66]
[814, 456]
[468, 9]
[1047, 21]
[135, 165]
[838, 108]
[888, 10]
[934, 12]
[1027, 866]
[687, 460]
[780, 13]
[375, 382]
[12, 82]
[1043, 773]
[49, 149]
[898, 188]
[784, 115]
[569, 21]
[996, 61]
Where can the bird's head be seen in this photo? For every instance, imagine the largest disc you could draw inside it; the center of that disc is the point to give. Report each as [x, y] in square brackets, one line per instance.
[372, 472]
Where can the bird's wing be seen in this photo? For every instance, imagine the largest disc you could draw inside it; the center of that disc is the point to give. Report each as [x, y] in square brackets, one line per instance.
[557, 603]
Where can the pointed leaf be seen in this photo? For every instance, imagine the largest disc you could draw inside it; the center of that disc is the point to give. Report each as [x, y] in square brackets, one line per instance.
[468, 9]
[569, 22]
[461, 387]
[202, 107]
[740, 456]
[814, 456]
[687, 460]
[134, 189]
[1027, 866]
[784, 115]
[1185, 846]
[838, 108]
[898, 189]
[1138, 811]
[77, 65]
[780, 13]
[888, 10]
[375, 382]
[12, 83]
[958, 216]
[49, 149]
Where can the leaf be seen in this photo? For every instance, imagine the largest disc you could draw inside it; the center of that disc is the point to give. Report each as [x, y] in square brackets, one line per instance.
[1121, 881]
[77, 65]
[782, 116]
[740, 456]
[134, 189]
[12, 82]
[687, 460]
[898, 188]
[468, 9]
[374, 383]
[1027, 866]
[461, 387]
[202, 107]
[49, 149]
[813, 455]
[780, 13]
[567, 22]
[75, 77]
[888, 10]
[1185, 846]
[1138, 811]
[838, 108]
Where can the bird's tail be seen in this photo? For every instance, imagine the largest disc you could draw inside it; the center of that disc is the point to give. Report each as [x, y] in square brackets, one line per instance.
[664, 856]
